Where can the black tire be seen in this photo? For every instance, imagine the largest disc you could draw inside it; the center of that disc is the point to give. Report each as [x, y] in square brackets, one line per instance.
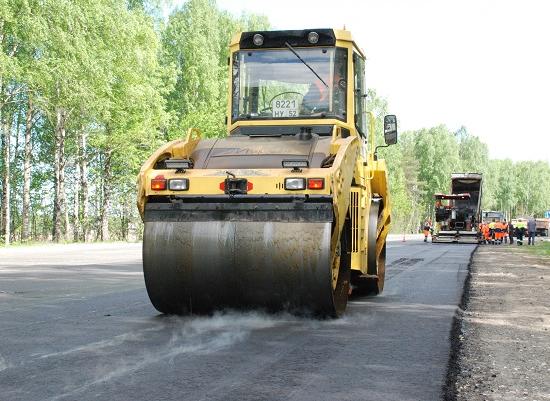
[376, 262]
[341, 292]
[375, 286]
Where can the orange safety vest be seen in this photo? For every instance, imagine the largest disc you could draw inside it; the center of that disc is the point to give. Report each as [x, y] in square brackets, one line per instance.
[322, 90]
[500, 234]
[486, 232]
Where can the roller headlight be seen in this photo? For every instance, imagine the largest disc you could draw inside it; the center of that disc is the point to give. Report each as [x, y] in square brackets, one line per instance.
[295, 184]
[258, 39]
[313, 37]
[178, 184]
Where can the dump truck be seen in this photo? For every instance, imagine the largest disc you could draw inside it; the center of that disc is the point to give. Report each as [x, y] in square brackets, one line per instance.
[488, 216]
[458, 214]
[290, 210]
[543, 226]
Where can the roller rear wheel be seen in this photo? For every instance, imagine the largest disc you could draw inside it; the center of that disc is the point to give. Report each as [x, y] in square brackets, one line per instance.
[373, 282]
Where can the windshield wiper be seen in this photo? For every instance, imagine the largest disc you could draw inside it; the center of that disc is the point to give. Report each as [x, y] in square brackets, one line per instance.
[306, 64]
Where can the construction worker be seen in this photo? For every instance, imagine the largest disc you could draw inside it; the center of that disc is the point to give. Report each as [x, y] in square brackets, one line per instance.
[520, 232]
[531, 230]
[492, 226]
[480, 231]
[426, 229]
[316, 99]
[511, 232]
[505, 231]
[481, 236]
[486, 233]
[499, 232]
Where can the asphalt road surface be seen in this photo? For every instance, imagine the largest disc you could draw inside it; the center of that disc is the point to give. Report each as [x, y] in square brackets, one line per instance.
[76, 324]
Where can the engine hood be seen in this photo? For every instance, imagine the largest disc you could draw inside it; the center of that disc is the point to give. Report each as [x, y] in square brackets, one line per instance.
[249, 152]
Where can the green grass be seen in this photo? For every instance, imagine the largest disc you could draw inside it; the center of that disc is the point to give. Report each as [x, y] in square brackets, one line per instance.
[540, 248]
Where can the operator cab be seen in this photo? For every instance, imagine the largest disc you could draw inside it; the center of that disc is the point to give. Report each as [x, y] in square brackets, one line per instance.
[289, 75]
[296, 79]
[301, 83]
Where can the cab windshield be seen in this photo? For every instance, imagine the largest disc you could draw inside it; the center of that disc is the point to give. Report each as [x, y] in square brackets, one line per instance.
[276, 84]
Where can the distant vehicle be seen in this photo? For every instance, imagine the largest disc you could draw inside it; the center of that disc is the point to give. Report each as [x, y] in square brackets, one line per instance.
[489, 216]
[457, 215]
[543, 226]
[520, 221]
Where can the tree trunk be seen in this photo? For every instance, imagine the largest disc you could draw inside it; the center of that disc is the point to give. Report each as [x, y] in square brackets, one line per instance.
[25, 231]
[60, 217]
[14, 196]
[125, 220]
[6, 217]
[105, 206]
[77, 224]
[84, 195]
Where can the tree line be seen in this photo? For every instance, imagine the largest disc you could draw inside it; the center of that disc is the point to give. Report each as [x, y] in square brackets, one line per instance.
[422, 163]
[90, 88]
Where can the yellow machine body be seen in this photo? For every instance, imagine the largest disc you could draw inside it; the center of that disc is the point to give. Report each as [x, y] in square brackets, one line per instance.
[297, 235]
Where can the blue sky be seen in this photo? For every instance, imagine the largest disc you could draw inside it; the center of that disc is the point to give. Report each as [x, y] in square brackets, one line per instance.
[480, 63]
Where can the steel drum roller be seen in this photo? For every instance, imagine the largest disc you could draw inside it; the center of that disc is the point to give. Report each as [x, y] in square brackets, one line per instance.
[226, 259]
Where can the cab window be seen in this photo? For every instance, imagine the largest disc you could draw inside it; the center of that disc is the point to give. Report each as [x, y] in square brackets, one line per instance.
[276, 84]
[360, 94]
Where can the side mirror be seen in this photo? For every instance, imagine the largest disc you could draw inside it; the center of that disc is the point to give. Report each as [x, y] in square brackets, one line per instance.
[390, 129]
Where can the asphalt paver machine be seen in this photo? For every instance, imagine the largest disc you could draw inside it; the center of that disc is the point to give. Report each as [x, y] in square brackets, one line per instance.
[458, 214]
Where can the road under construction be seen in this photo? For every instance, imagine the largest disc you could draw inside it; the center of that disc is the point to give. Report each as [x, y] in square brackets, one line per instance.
[77, 324]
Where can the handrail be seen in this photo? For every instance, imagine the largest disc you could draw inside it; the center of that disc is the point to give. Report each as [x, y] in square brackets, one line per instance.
[371, 136]
[370, 153]
[336, 132]
[192, 131]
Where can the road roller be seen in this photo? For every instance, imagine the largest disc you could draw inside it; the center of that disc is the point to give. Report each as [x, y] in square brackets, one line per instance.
[290, 209]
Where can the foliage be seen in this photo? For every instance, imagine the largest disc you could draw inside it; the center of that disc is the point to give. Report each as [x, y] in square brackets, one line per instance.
[195, 42]
[94, 86]
[421, 165]
[106, 82]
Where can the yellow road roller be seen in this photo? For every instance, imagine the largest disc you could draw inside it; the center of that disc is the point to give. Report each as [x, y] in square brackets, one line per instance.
[290, 210]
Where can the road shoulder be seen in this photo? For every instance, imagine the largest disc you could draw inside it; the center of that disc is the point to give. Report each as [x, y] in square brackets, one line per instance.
[501, 341]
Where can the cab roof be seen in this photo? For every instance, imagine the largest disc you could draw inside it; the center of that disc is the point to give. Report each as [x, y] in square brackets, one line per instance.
[296, 38]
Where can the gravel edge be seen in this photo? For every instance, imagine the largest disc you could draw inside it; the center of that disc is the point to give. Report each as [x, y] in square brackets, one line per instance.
[456, 335]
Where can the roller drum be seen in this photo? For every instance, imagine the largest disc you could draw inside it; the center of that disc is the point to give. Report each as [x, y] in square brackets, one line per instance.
[227, 259]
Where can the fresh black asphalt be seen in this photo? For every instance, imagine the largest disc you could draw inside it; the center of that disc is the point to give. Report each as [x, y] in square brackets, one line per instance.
[76, 324]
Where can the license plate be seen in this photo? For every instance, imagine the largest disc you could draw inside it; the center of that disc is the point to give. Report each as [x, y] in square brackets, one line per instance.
[285, 108]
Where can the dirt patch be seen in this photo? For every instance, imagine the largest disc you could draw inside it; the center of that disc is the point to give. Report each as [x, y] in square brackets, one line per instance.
[501, 337]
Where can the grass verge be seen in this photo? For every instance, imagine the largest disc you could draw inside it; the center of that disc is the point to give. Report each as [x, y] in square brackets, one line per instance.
[540, 248]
